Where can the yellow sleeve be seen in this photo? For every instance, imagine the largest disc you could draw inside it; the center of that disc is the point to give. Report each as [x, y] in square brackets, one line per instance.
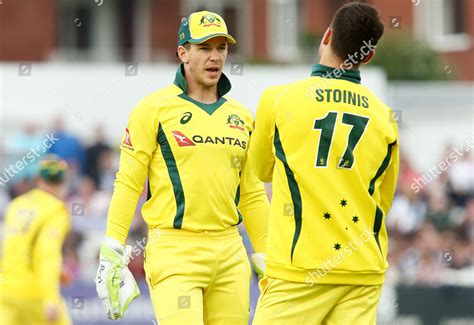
[254, 207]
[261, 146]
[138, 145]
[47, 254]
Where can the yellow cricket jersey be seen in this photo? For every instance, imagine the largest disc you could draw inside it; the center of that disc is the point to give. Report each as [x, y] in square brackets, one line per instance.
[36, 224]
[194, 156]
[331, 148]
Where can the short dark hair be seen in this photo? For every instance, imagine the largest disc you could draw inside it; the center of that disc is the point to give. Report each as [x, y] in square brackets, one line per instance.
[354, 23]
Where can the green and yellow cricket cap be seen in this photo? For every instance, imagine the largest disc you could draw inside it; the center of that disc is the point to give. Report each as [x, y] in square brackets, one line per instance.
[52, 169]
[201, 26]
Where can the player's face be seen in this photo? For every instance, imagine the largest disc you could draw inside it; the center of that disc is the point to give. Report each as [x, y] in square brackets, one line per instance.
[206, 60]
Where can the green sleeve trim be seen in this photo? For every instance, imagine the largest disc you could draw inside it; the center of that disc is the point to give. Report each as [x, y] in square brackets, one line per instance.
[237, 200]
[174, 177]
[378, 212]
[294, 190]
[382, 167]
[377, 225]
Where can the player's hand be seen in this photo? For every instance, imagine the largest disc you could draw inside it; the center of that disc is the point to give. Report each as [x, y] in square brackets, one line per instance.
[258, 264]
[52, 312]
[114, 282]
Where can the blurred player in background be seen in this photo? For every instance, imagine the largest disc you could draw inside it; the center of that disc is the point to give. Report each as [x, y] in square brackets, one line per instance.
[331, 148]
[35, 228]
[191, 142]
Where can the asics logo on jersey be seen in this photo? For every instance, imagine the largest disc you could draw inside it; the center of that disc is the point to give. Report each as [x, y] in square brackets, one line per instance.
[186, 117]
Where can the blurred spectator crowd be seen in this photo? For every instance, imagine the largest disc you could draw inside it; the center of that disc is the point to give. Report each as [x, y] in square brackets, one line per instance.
[431, 230]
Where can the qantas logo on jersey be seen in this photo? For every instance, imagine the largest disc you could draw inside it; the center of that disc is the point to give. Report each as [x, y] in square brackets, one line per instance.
[184, 141]
[127, 141]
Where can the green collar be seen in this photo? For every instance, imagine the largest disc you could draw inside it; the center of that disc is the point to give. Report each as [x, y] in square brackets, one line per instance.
[208, 108]
[223, 87]
[324, 71]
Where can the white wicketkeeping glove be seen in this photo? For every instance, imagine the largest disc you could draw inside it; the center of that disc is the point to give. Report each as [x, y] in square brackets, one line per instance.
[258, 263]
[115, 284]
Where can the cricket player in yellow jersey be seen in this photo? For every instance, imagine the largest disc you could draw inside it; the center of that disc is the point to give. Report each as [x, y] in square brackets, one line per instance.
[191, 142]
[330, 146]
[36, 224]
